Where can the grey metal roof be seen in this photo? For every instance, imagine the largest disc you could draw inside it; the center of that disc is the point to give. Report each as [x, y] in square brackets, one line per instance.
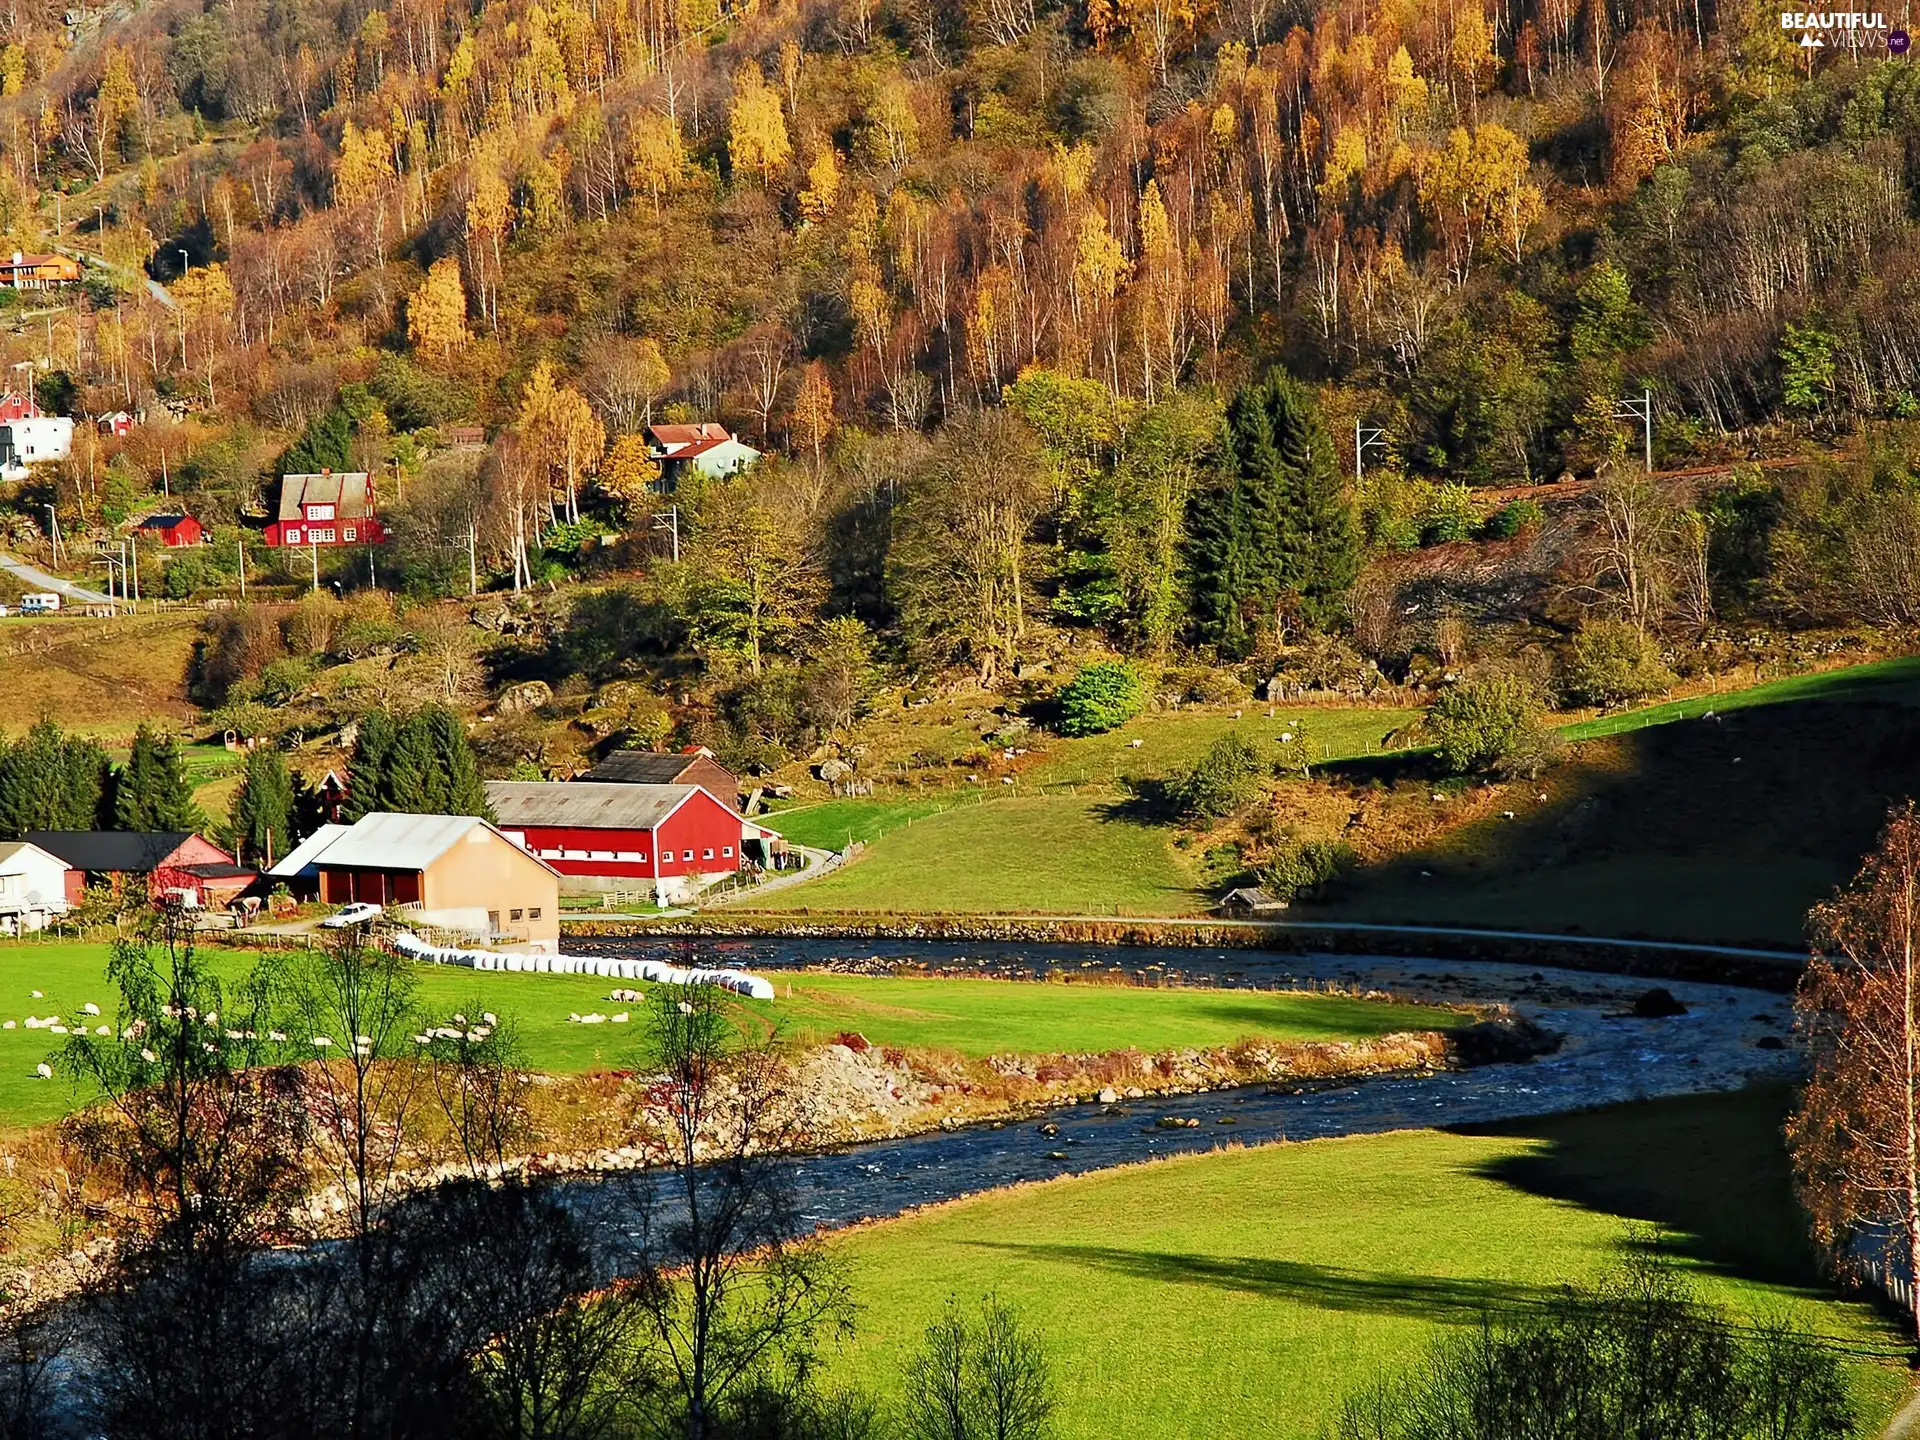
[642, 767]
[406, 842]
[346, 490]
[302, 856]
[586, 803]
[398, 842]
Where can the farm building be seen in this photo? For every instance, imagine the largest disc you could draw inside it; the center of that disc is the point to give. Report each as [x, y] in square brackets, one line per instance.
[331, 508]
[669, 839]
[33, 887]
[174, 531]
[710, 448]
[455, 872]
[694, 765]
[176, 866]
[117, 423]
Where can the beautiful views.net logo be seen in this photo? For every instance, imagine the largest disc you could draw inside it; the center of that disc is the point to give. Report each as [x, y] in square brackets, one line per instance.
[1852, 29]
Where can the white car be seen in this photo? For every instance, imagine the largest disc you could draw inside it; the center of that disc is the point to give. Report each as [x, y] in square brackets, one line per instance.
[357, 913]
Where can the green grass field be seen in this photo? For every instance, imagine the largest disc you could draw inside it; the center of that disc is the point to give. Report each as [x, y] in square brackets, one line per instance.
[972, 1017]
[1057, 854]
[1241, 1294]
[1896, 680]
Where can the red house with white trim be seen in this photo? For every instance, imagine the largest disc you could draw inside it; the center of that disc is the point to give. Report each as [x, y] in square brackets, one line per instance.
[671, 839]
[329, 509]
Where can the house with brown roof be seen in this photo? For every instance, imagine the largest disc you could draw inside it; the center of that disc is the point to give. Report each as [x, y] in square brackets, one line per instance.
[332, 508]
[708, 447]
[695, 765]
[39, 272]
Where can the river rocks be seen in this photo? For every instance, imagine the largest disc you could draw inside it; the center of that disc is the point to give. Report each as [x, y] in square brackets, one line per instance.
[1770, 1042]
[1658, 1004]
[1109, 1096]
[1176, 1122]
[1501, 1040]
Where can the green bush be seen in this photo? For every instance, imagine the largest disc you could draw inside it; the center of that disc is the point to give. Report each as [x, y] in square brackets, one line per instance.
[1303, 869]
[1482, 722]
[1610, 662]
[1450, 515]
[1513, 517]
[1220, 782]
[1103, 695]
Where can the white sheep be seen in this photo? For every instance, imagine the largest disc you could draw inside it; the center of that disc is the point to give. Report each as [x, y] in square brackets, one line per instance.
[43, 1070]
[322, 1042]
[91, 1008]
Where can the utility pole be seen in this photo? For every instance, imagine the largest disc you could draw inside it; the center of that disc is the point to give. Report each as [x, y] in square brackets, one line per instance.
[53, 535]
[1640, 409]
[372, 578]
[670, 520]
[1366, 437]
[183, 314]
[314, 545]
[473, 561]
[241, 546]
[133, 542]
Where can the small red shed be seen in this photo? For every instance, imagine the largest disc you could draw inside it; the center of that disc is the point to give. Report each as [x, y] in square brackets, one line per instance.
[173, 531]
[672, 839]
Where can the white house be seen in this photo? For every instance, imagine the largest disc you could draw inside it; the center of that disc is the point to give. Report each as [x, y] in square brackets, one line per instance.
[710, 448]
[31, 440]
[33, 887]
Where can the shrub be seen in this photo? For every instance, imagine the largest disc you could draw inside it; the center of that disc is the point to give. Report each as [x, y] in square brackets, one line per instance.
[1638, 1354]
[1513, 517]
[1220, 782]
[1303, 869]
[1103, 695]
[1611, 662]
[1451, 515]
[1480, 722]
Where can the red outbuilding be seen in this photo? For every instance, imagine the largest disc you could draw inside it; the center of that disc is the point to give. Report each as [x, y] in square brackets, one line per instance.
[173, 531]
[671, 839]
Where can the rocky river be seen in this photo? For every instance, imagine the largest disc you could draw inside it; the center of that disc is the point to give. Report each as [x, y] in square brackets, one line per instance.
[1727, 1037]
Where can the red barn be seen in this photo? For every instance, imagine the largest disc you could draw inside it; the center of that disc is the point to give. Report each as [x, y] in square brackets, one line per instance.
[173, 531]
[326, 509]
[672, 839]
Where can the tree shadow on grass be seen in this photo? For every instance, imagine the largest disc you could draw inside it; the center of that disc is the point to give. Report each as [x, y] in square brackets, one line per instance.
[1142, 802]
[1709, 1171]
[1445, 1299]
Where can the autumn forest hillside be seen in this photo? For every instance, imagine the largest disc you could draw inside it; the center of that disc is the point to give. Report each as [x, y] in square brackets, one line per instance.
[1206, 351]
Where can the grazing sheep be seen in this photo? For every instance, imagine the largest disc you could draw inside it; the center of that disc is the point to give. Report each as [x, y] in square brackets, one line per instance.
[91, 1008]
[43, 1070]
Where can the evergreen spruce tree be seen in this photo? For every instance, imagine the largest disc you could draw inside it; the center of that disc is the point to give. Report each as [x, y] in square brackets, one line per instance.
[1278, 531]
[461, 790]
[326, 444]
[263, 809]
[411, 779]
[52, 781]
[367, 789]
[152, 791]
